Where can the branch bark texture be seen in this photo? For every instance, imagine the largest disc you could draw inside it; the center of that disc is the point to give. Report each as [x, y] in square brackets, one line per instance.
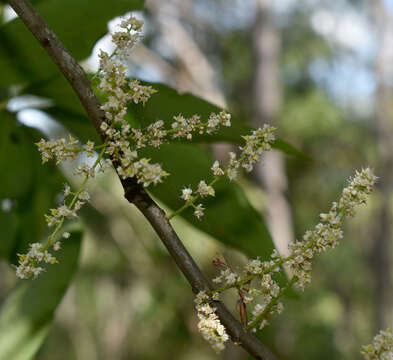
[134, 193]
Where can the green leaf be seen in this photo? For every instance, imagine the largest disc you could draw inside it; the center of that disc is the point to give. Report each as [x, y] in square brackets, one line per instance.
[229, 217]
[164, 105]
[27, 314]
[27, 186]
[78, 24]
[287, 148]
[168, 102]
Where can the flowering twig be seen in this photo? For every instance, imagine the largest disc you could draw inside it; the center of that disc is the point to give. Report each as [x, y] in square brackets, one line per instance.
[324, 236]
[134, 192]
[29, 264]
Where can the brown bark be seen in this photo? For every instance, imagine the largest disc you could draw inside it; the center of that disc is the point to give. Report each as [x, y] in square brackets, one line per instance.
[196, 74]
[384, 115]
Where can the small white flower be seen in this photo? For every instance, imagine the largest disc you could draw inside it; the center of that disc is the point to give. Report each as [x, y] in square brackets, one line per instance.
[132, 23]
[84, 195]
[204, 189]
[186, 194]
[66, 235]
[67, 190]
[217, 171]
[199, 211]
[89, 148]
[104, 125]
[28, 263]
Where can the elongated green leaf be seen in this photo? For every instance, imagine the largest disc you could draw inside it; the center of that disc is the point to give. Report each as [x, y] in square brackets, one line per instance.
[27, 187]
[27, 314]
[168, 102]
[15, 158]
[163, 105]
[229, 217]
[77, 23]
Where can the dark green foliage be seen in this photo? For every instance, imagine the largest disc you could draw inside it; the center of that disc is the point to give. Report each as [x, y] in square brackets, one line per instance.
[78, 24]
[26, 185]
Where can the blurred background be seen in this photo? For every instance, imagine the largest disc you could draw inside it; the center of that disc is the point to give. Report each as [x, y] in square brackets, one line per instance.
[320, 71]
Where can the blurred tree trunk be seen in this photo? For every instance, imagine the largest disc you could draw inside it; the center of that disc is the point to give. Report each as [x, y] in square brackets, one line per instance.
[195, 74]
[384, 112]
[267, 98]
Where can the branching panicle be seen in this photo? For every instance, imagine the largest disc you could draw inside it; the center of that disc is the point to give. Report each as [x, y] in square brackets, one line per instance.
[325, 235]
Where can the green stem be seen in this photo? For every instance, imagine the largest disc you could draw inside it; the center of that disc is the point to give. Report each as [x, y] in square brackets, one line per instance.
[100, 146]
[51, 238]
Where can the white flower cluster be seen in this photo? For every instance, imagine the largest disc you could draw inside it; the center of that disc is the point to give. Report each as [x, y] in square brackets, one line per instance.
[328, 232]
[120, 92]
[124, 141]
[29, 263]
[227, 276]
[259, 141]
[184, 127]
[381, 348]
[60, 149]
[209, 324]
[325, 236]
[62, 212]
[125, 40]
[202, 191]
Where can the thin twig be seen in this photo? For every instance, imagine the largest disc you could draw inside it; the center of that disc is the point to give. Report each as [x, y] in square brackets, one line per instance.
[134, 193]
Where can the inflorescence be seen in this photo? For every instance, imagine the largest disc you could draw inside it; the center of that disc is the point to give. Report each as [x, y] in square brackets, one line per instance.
[258, 278]
[122, 143]
[120, 148]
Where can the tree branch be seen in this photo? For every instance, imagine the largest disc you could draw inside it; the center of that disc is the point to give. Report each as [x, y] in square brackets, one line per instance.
[134, 193]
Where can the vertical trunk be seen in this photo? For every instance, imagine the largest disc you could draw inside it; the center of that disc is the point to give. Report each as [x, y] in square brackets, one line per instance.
[195, 73]
[267, 97]
[384, 114]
